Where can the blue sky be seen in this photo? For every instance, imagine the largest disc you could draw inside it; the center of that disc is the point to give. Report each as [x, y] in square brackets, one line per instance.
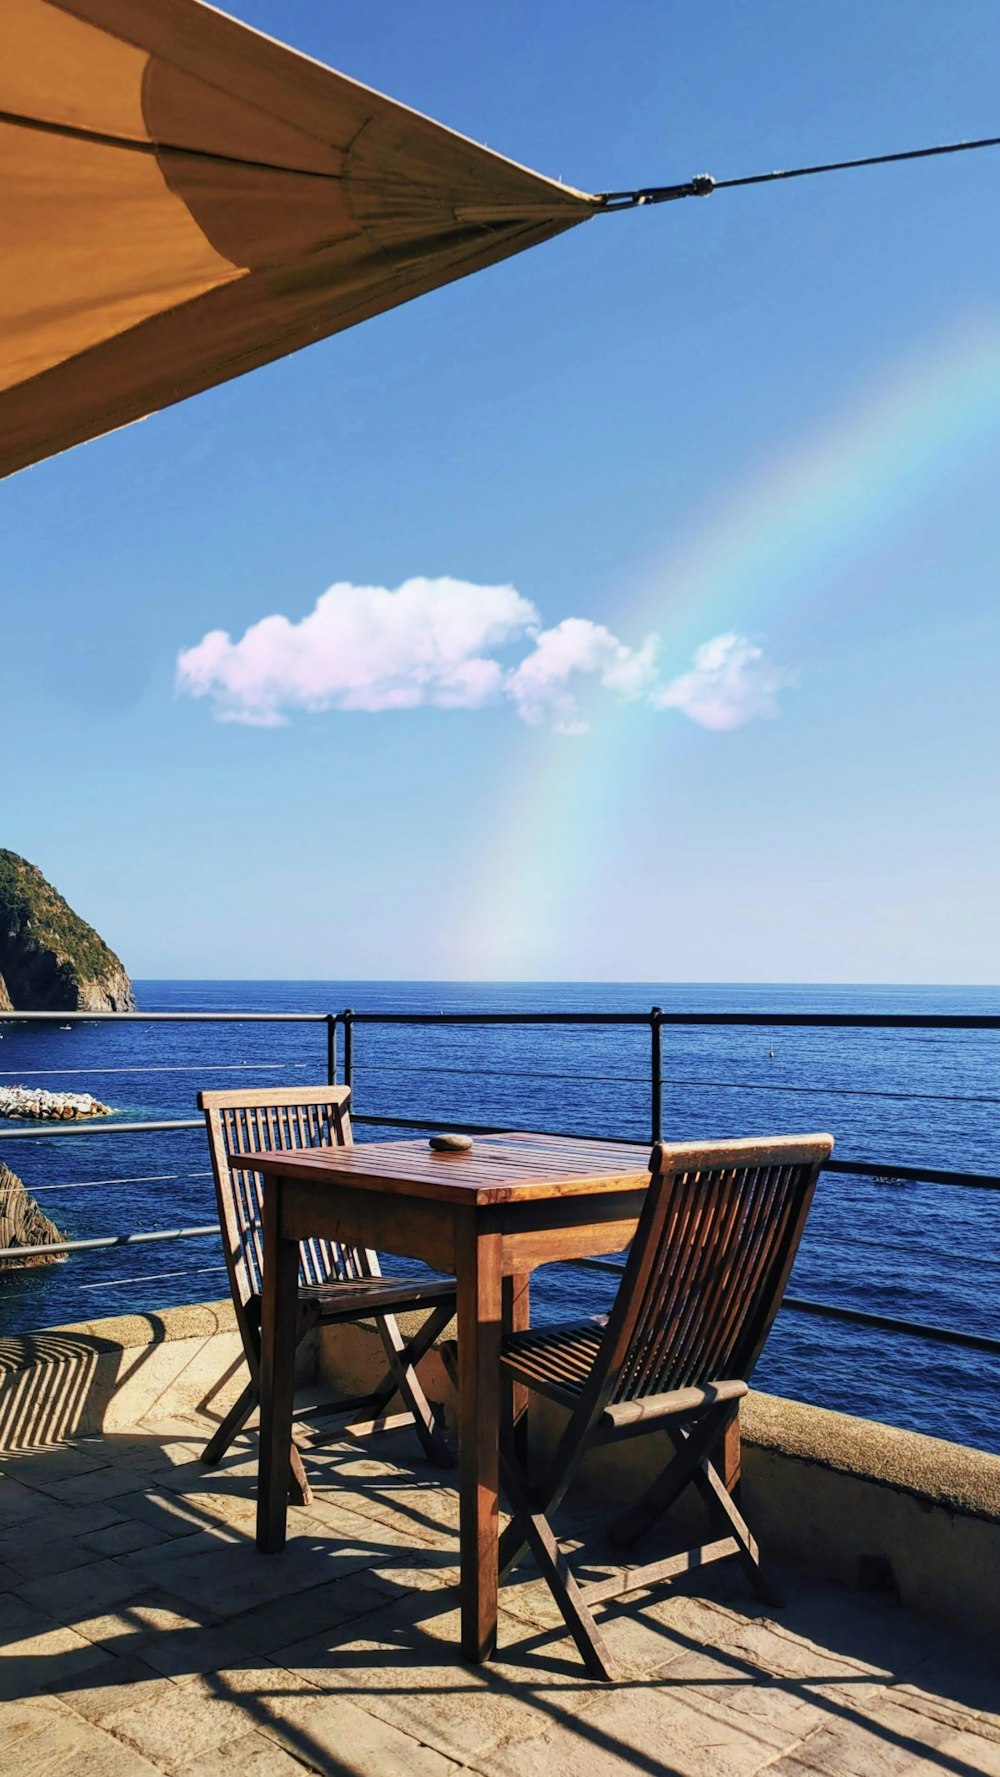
[769, 417]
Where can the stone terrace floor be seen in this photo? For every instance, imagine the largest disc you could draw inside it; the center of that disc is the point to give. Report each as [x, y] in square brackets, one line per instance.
[142, 1632]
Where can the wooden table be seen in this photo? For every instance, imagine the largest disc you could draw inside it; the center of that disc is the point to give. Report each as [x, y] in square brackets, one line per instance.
[489, 1216]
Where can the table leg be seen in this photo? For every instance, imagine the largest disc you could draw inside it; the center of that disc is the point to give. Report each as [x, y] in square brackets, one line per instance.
[279, 1324]
[516, 1319]
[477, 1272]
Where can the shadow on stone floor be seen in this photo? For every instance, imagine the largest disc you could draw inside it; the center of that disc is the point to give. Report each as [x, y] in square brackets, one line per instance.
[139, 1623]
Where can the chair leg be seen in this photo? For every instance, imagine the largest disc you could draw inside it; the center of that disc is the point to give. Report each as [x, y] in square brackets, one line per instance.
[231, 1426]
[558, 1478]
[689, 1448]
[513, 1541]
[536, 1530]
[512, 1546]
[519, 1438]
[401, 1364]
[724, 1510]
[299, 1490]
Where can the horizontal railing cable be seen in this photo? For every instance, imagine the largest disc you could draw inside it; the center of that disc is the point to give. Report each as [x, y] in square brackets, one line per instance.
[832, 1242]
[185, 1067]
[773, 1086]
[779, 1086]
[118, 1283]
[945, 1335]
[142, 1178]
[833, 1311]
[500, 1073]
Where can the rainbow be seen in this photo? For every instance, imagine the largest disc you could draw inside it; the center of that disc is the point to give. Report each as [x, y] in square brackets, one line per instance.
[852, 486]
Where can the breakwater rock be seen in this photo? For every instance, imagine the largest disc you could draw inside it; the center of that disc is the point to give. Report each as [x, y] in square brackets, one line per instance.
[26, 1101]
[22, 1223]
[51, 960]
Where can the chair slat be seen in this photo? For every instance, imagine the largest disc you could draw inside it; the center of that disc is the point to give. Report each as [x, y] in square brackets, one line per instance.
[253, 1118]
[770, 1204]
[708, 1263]
[671, 1342]
[717, 1287]
[718, 1284]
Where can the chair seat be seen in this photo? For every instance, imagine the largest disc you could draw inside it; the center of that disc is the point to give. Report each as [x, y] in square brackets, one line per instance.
[556, 1361]
[347, 1298]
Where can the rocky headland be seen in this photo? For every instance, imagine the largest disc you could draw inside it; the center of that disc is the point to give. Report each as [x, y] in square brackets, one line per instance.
[51, 960]
[22, 1223]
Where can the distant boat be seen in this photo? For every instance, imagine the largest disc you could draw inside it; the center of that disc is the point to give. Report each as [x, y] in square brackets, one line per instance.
[65, 1027]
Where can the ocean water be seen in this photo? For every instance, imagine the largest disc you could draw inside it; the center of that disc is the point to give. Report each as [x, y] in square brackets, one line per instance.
[920, 1252]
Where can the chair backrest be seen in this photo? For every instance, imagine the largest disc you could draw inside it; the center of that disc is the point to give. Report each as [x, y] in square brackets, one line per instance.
[709, 1263]
[274, 1117]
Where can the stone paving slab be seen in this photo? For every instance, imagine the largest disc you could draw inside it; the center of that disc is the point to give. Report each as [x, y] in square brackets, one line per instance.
[92, 1586]
[19, 1545]
[141, 1632]
[38, 1652]
[290, 1619]
[644, 1731]
[889, 1742]
[100, 1691]
[253, 1755]
[42, 1737]
[123, 1538]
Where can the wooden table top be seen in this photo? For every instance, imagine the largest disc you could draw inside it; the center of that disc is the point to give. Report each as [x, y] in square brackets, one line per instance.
[497, 1168]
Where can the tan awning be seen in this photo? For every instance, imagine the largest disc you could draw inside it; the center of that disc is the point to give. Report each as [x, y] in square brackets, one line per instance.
[182, 199]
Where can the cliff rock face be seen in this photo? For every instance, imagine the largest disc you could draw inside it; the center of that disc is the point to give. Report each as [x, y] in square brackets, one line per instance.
[22, 1222]
[51, 960]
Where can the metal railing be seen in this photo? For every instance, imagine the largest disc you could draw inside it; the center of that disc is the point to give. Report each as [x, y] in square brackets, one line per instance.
[656, 1021]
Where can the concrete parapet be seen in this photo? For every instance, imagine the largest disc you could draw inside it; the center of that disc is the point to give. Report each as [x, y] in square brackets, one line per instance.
[877, 1507]
[106, 1375]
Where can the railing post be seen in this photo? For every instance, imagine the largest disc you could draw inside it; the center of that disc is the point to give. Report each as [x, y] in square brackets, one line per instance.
[656, 1073]
[347, 1019]
[331, 1048]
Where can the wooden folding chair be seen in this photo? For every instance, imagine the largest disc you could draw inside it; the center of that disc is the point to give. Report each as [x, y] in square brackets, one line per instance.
[704, 1279]
[337, 1283]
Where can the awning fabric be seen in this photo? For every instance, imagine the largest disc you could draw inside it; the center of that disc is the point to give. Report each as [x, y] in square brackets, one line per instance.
[183, 199]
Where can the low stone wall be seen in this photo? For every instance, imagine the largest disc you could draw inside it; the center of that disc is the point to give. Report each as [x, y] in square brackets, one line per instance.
[105, 1375]
[876, 1507]
[866, 1504]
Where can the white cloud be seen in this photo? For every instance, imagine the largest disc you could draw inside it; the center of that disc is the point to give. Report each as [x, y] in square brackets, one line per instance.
[540, 686]
[436, 642]
[363, 648]
[730, 683]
